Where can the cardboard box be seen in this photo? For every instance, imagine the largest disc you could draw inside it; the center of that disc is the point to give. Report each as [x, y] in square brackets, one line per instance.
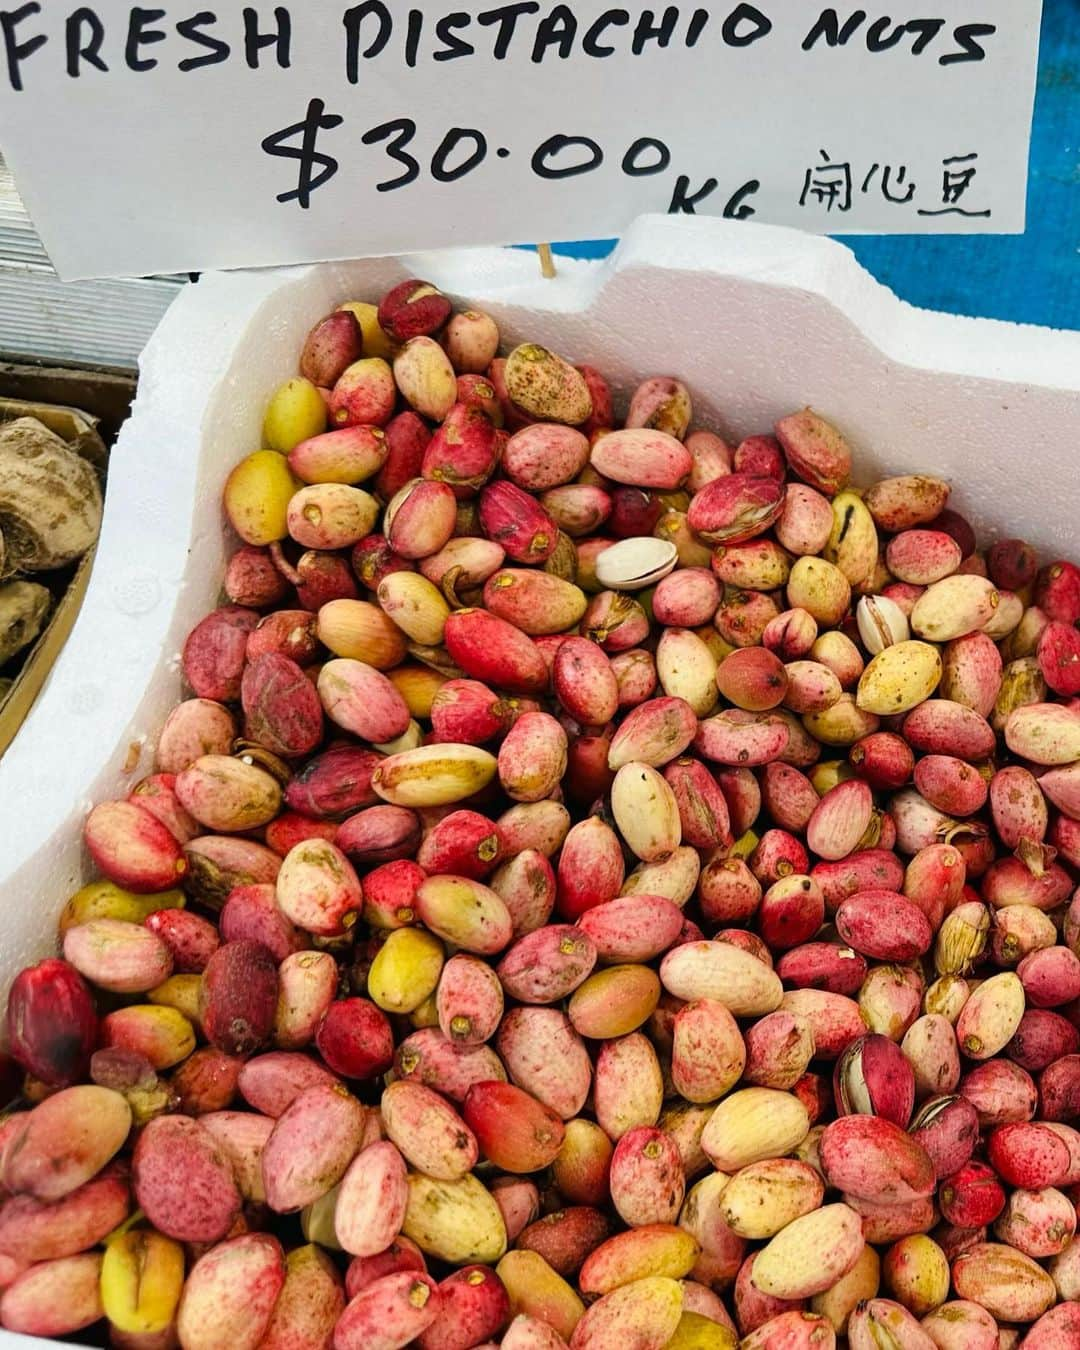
[80, 431]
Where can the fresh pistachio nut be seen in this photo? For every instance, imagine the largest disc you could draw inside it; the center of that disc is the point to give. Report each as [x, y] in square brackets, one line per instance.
[810, 1254]
[1009, 1285]
[953, 607]
[991, 1015]
[434, 775]
[762, 1199]
[1044, 733]
[882, 623]
[821, 588]
[633, 564]
[844, 723]
[962, 938]
[754, 1124]
[546, 386]
[645, 811]
[853, 542]
[899, 677]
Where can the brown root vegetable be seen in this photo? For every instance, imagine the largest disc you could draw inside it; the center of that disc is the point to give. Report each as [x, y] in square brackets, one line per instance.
[24, 608]
[50, 499]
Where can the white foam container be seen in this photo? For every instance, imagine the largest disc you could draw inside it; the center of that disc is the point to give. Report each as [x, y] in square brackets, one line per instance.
[757, 320]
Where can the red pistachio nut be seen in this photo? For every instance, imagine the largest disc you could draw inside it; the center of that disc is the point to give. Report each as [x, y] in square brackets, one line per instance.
[51, 1022]
[874, 1158]
[873, 1077]
[413, 309]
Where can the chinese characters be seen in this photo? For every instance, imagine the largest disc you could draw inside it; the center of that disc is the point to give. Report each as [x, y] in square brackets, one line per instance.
[830, 186]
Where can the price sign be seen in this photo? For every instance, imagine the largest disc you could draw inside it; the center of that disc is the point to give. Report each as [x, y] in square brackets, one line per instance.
[172, 138]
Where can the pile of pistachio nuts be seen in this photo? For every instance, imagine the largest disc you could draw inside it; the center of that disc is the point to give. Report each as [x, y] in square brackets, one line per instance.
[602, 887]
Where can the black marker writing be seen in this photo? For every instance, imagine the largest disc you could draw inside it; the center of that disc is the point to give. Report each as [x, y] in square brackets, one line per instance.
[317, 120]
[506, 18]
[591, 44]
[456, 136]
[632, 165]
[398, 132]
[683, 201]
[827, 25]
[280, 39]
[542, 164]
[17, 52]
[217, 50]
[733, 32]
[353, 19]
[967, 38]
[84, 33]
[738, 204]
[454, 46]
[140, 33]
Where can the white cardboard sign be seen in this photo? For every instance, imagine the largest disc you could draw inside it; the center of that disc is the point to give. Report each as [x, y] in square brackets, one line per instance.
[171, 138]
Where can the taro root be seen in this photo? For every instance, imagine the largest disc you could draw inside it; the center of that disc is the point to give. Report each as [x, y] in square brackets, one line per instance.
[50, 502]
[24, 607]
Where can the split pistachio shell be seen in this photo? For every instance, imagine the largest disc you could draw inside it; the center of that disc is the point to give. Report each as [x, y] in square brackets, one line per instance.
[899, 677]
[882, 623]
[634, 564]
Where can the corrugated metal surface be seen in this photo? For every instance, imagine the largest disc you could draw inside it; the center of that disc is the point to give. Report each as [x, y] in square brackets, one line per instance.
[104, 323]
[19, 245]
[99, 323]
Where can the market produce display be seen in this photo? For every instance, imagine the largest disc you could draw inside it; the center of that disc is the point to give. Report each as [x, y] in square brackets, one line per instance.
[602, 887]
[50, 515]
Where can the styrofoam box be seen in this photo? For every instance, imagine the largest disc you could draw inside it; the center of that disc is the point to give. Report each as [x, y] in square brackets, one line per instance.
[758, 321]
